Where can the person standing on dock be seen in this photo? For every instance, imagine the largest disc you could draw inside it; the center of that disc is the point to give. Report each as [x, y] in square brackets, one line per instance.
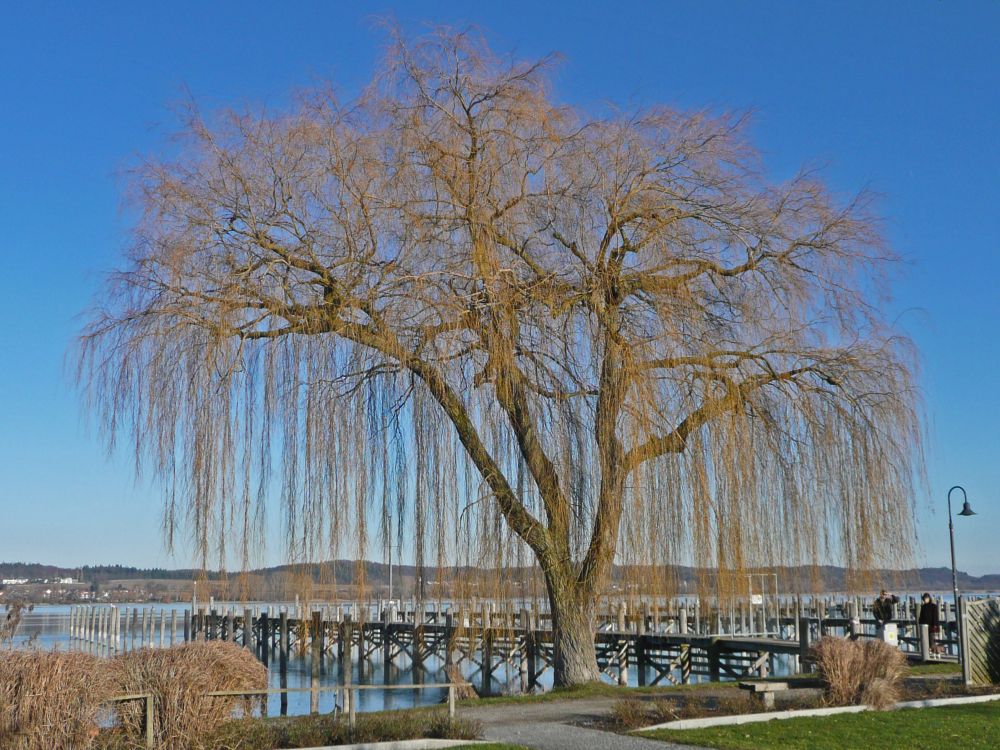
[929, 616]
[882, 609]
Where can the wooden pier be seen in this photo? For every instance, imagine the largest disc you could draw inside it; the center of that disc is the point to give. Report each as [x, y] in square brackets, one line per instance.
[663, 642]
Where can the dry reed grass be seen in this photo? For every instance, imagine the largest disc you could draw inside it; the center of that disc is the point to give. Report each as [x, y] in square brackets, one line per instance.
[326, 729]
[179, 678]
[628, 713]
[860, 672]
[51, 700]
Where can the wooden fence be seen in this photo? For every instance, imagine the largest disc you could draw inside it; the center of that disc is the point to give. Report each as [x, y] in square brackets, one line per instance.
[981, 642]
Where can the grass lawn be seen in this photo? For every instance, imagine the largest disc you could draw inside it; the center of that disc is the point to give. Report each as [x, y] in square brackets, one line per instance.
[970, 727]
[605, 690]
[939, 668]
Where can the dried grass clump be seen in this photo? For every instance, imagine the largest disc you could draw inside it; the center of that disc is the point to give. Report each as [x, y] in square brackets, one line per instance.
[51, 700]
[860, 672]
[179, 678]
[325, 730]
[629, 713]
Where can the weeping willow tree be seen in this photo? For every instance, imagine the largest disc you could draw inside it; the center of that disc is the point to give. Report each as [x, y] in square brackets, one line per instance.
[521, 330]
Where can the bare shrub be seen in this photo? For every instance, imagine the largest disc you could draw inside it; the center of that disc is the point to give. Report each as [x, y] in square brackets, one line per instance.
[860, 672]
[178, 679]
[664, 710]
[735, 704]
[325, 730]
[628, 713]
[50, 700]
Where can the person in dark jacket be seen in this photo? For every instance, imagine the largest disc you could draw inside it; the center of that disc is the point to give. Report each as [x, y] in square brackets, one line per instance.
[882, 608]
[929, 616]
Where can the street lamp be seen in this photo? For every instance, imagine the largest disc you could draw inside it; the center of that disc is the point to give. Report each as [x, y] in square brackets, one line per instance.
[966, 511]
[399, 551]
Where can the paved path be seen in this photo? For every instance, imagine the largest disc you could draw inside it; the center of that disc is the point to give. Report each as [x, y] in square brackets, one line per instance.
[557, 736]
[558, 725]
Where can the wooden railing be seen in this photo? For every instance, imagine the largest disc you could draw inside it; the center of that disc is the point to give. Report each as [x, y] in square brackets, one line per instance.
[350, 695]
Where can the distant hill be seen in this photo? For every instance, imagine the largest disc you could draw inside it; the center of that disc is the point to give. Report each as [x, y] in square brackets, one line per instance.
[790, 579]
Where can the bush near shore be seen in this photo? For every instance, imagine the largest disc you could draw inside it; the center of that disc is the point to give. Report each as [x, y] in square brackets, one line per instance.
[866, 673]
[178, 678]
[53, 700]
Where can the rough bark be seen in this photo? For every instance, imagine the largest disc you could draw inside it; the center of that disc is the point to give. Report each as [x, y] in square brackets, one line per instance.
[575, 658]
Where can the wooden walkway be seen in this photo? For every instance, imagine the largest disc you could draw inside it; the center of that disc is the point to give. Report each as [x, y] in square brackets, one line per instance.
[653, 647]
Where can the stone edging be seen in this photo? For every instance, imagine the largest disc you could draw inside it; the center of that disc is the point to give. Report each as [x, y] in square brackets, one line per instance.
[403, 745]
[721, 721]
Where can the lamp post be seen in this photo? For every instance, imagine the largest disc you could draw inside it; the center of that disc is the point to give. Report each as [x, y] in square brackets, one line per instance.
[966, 511]
[399, 551]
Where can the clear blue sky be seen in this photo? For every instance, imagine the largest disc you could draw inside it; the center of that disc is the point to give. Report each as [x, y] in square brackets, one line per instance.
[903, 97]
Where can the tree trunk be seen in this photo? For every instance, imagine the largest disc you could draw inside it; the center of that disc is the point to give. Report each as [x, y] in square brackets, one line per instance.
[574, 657]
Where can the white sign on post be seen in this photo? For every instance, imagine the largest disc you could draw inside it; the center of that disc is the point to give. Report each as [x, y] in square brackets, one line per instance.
[756, 598]
[890, 633]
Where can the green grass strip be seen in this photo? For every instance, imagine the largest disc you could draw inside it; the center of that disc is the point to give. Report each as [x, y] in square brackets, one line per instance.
[970, 727]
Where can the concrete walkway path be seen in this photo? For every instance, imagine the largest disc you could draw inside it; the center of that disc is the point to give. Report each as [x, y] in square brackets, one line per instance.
[558, 725]
[556, 736]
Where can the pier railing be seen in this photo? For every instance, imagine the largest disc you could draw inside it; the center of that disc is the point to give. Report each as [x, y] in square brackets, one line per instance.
[348, 705]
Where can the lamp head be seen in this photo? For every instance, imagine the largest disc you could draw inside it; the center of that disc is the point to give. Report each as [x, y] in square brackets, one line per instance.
[966, 510]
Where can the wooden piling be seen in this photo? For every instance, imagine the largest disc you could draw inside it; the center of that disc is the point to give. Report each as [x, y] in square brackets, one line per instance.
[317, 655]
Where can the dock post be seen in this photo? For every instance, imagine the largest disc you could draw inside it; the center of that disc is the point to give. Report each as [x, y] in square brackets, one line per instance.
[925, 642]
[283, 640]
[187, 625]
[265, 637]
[314, 662]
[804, 636]
[322, 635]
[640, 659]
[855, 629]
[418, 651]
[173, 626]
[714, 661]
[248, 629]
[487, 670]
[623, 661]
